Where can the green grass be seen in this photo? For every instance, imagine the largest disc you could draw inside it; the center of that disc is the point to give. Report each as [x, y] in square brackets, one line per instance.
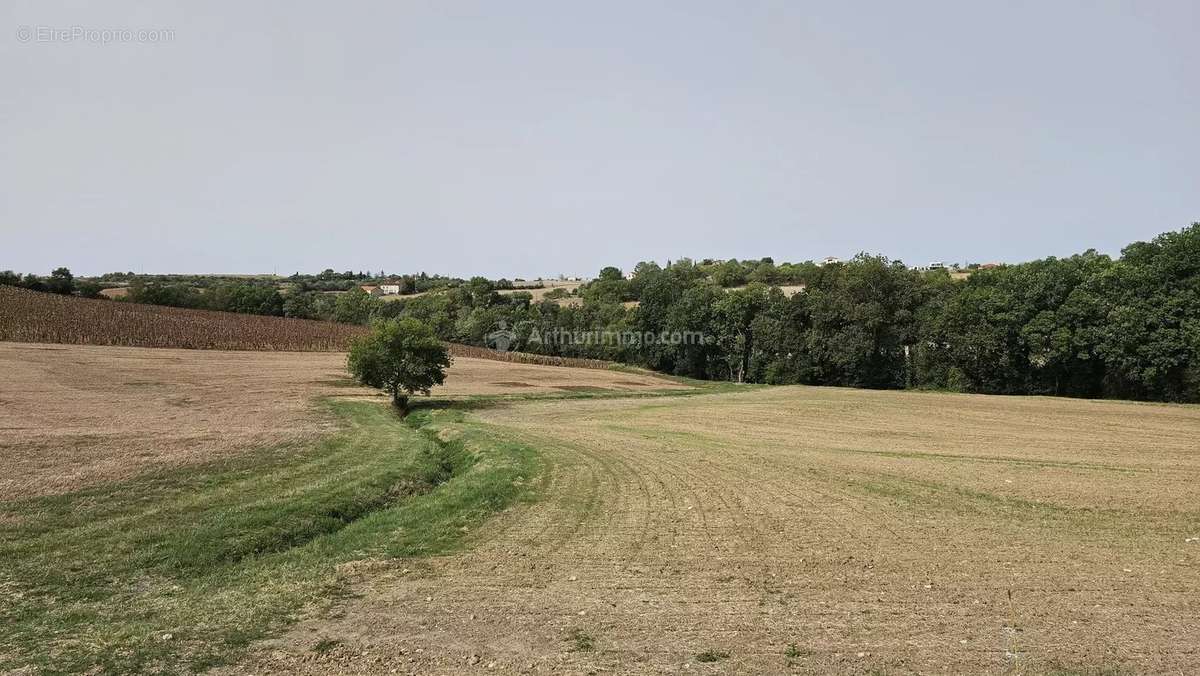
[794, 651]
[712, 656]
[581, 641]
[181, 570]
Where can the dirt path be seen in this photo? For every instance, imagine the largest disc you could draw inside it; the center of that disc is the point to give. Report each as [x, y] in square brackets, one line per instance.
[800, 530]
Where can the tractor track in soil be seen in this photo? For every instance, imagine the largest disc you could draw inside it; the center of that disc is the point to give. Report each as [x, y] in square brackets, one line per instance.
[659, 545]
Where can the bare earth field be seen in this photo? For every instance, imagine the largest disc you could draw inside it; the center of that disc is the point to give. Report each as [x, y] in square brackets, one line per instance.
[757, 530]
[807, 530]
[75, 415]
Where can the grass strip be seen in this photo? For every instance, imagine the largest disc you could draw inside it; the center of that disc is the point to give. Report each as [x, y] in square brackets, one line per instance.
[182, 569]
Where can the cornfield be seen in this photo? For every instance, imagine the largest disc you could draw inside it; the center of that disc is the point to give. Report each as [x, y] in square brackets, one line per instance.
[32, 317]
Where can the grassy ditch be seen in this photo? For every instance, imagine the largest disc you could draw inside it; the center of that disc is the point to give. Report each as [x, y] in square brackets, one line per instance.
[181, 570]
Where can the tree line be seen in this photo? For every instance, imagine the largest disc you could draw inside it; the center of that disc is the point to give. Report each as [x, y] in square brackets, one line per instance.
[1083, 326]
[60, 281]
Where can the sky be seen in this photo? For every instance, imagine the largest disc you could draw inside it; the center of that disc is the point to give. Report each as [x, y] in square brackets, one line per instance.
[522, 139]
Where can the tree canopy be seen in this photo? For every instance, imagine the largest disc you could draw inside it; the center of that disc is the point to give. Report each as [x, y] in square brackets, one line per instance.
[400, 356]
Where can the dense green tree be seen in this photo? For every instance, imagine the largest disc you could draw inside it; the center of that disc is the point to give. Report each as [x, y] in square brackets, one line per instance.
[402, 357]
[300, 305]
[1015, 330]
[157, 293]
[660, 291]
[764, 273]
[1140, 318]
[89, 289]
[61, 281]
[695, 317]
[436, 310]
[862, 317]
[354, 307]
[482, 292]
[730, 273]
[610, 287]
[783, 329]
[736, 312]
[642, 272]
[255, 299]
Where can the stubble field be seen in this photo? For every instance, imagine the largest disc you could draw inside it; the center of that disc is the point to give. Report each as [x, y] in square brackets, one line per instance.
[810, 530]
[75, 415]
[729, 529]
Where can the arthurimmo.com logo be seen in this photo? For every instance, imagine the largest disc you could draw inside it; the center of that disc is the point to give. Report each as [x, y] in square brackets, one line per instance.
[504, 338]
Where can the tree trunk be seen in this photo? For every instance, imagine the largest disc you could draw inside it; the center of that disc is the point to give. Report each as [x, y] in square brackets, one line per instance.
[400, 401]
[749, 343]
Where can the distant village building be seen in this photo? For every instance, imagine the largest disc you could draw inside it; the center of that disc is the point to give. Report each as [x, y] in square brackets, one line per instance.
[371, 289]
[390, 289]
[937, 265]
[831, 260]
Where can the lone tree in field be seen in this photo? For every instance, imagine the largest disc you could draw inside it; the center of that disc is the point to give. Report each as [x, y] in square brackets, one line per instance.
[402, 357]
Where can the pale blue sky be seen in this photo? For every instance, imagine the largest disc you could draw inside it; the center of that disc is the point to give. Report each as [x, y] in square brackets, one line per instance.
[518, 138]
